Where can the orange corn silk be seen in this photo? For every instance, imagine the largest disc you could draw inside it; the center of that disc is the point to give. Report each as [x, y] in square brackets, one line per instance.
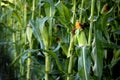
[78, 25]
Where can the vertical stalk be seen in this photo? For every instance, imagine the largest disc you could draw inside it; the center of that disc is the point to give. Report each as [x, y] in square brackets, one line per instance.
[0, 7]
[81, 11]
[70, 67]
[29, 35]
[47, 66]
[14, 34]
[98, 4]
[33, 9]
[14, 39]
[29, 63]
[70, 55]
[15, 49]
[25, 13]
[30, 45]
[74, 9]
[47, 57]
[118, 8]
[70, 50]
[25, 24]
[22, 68]
[91, 22]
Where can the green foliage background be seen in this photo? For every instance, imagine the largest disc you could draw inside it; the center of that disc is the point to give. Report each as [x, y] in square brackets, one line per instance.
[37, 41]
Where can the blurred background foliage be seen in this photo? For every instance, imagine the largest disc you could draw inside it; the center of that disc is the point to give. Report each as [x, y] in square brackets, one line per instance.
[38, 40]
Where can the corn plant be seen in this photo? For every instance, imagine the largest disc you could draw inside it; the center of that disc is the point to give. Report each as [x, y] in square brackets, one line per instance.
[59, 39]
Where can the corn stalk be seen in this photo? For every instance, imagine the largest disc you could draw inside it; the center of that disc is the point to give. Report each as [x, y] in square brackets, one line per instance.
[29, 37]
[14, 35]
[70, 56]
[48, 31]
[91, 22]
[81, 11]
[82, 42]
[71, 46]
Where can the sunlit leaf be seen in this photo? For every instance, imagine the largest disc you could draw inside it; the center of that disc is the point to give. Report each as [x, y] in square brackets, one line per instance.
[84, 62]
[29, 33]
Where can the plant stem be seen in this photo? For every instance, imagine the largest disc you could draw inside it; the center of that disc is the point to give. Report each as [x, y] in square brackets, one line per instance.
[47, 57]
[74, 9]
[81, 11]
[29, 63]
[33, 9]
[98, 4]
[47, 66]
[25, 14]
[21, 68]
[69, 54]
[30, 44]
[14, 40]
[14, 34]
[91, 22]
[70, 50]
[28, 66]
[70, 67]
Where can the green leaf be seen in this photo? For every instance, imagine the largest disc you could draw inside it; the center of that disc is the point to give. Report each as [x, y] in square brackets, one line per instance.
[64, 14]
[117, 31]
[43, 30]
[31, 50]
[17, 15]
[5, 43]
[117, 1]
[71, 46]
[64, 48]
[110, 45]
[23, 55]
[57, 48]
[56, 59]
[36, 31]
[84, 63]
[81, 73]
[50, 8]
[29, 33]
[41, 23]
[97, 55]
[8, 2]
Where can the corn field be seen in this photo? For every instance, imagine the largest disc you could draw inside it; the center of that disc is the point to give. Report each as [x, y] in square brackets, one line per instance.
[59, 39]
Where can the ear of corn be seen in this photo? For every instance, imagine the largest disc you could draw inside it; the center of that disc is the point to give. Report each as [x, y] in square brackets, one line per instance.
[82, 41]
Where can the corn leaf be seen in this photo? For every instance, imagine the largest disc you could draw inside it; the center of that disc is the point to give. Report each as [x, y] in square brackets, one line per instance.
[36, 31]
[84, 63]
[97, 54]
[29, 33]
[71, 47]
[64, 48]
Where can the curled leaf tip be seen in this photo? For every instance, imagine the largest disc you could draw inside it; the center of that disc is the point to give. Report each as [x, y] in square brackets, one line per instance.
[105, 8]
